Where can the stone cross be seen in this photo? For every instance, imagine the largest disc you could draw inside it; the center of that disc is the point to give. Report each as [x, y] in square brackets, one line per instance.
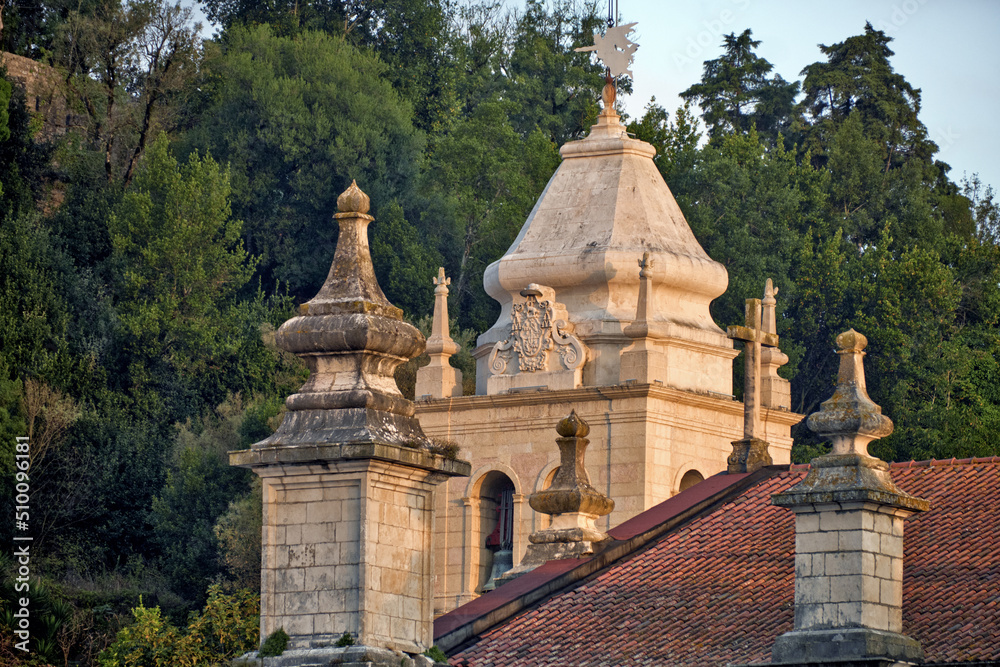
[439, 379]
[755, 336]
[440, 327]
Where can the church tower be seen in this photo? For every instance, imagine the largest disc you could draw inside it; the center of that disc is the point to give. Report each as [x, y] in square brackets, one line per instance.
[604, 298]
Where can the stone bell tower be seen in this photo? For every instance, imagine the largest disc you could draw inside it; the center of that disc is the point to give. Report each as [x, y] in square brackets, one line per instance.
[604, 308]
[349, 476]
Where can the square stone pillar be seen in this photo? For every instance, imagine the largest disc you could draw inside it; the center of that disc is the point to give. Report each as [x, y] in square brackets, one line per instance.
[848, 576]
[848, 537]
[348, 478]
[347, 545]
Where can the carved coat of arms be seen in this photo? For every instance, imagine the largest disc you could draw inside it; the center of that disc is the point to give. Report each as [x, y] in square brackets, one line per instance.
[534, 332]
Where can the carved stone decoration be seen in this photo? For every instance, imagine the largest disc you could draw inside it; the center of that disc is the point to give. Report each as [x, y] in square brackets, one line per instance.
[572, 502]
[536, 330]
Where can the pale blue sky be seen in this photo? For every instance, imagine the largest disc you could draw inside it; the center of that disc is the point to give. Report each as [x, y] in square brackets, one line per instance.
[950, 49]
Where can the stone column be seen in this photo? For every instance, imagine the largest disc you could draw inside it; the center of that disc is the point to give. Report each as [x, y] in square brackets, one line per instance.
[439, 379]
[848, 537]
[572, 502]
[349, 477]
[775, 391]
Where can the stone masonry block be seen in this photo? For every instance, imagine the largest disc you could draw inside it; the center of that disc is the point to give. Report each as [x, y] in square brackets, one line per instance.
[293, 535]
[840, 521]
[874, 616]
[883, 523]
[325, 554]
[345, 577]
[331, 601]
[845, 589]
[301, 602]
[868, 563]
[871, 541]
[289, 580]
[871, 590]
[892, 546]
[812, 590]
[291, 513]
[319, 578]
[891, 592]
[895, 619]
[806, 523]
[816, 542]
[411, 608]
[349, 552]
[867, 520]
[803, 565]
[851, 540]
[844, 563]
[328, 511]
[348, 532]
[896, 566]
[818, 564]
[897, 526]
[883, 568]
[301, 555]
[849, 613]
[809, 616]
[303, 495]
[296, 625]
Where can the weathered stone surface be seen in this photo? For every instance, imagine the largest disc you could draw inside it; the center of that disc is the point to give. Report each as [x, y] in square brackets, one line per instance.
[848, 536]
[603, 208]
[850, 418]
[845, 644]
[349, 477]
[749, 455]
[571, 501]
[439, 379]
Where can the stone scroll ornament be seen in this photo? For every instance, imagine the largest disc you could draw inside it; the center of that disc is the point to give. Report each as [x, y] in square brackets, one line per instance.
[535, 330]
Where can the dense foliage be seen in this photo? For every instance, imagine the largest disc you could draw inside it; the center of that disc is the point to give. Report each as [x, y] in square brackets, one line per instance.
[148, 252]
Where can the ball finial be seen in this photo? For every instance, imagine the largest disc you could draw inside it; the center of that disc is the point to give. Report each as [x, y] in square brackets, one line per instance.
[353, 200]
[573, 427]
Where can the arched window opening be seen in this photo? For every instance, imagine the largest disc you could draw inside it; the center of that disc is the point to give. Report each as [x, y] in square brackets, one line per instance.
[496, 501]
[690, 478]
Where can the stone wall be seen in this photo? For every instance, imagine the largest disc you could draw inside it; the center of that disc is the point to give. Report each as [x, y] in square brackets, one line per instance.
[44, 92]
[849, 566]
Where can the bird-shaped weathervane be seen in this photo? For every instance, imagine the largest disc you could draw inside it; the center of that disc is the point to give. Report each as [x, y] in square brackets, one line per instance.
[615, 49]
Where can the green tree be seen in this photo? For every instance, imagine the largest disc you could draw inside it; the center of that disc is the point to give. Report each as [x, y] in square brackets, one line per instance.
[858, 78]
[487, 178]
[181, 258]
[128, 63]
[738, 92]
[199, 486]
[297, 119]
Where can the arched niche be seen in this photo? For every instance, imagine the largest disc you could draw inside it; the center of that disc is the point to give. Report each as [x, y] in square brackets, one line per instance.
[689, 479]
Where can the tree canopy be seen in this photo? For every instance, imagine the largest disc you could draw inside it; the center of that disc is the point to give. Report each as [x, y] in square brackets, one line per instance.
[149, 250]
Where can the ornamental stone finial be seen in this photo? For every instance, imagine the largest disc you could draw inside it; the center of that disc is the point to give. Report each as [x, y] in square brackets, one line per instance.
[353, 200]
[572, 502]
[439, 379]
[850, 418]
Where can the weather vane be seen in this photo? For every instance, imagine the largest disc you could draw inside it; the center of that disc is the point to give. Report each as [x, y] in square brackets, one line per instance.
[615, 49]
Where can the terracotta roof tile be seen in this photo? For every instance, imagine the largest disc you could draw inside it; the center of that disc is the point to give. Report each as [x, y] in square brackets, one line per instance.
[719, 588]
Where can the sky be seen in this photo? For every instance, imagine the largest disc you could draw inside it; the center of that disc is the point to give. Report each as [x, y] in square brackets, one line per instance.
[949, 49]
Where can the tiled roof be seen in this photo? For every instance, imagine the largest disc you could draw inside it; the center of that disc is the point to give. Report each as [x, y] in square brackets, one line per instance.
[718, 588]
